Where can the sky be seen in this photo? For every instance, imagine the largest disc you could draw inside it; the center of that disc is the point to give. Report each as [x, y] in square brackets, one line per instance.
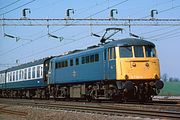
[35, 44]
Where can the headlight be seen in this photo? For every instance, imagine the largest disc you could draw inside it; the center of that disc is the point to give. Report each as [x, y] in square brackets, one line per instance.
[134, 64]
[147, 64]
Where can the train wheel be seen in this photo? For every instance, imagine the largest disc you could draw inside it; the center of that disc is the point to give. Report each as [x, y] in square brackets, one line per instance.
[88, 98]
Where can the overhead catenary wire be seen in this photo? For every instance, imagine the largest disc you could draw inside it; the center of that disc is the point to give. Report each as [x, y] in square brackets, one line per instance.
[152, 31]
[60, 29]
[165, 10]
[9, 4]
[164, 33]
[162, 11]
[55, 47]
[85, 9]
[166, 37]
[64, 27]
[17, 7]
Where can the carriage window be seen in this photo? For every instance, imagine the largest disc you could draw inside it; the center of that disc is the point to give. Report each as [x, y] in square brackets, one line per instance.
[33, 72]
[112, 53]
[125, 51]
[29, 73]
[20, 76]
[38, 71]
[16, 75]
[138, 51]
[10, 76]
[150, 51]
[25, 74]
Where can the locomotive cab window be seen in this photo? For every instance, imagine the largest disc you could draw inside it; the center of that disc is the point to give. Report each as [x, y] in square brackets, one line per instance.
[125, 51]
[138, 51]
[150, 51]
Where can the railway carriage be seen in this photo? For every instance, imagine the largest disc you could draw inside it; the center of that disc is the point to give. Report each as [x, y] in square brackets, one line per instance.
[22, 80]
[122, 70]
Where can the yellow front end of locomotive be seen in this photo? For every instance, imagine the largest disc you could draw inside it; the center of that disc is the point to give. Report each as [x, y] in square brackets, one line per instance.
[137, 63]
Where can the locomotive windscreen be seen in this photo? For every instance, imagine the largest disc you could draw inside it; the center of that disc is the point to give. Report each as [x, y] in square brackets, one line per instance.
[150, 51]
[125, 51]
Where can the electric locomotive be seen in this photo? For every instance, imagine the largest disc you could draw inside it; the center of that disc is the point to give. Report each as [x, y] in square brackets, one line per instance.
[120, 70]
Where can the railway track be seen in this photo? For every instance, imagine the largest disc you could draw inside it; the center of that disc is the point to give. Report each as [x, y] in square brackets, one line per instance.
[150, 111]
[5, 110]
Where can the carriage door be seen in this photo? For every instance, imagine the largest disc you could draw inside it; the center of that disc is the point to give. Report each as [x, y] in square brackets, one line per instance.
[111, 63]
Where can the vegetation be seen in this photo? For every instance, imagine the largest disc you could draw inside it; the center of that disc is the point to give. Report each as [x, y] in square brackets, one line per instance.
[165, 78]
[171, 86]
[170, 89]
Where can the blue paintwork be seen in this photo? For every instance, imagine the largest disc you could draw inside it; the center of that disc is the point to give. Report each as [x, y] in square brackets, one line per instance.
[111, 70]
[95, 71]
[26, 83]
[78, 73]
[101, 70]
[23, 84]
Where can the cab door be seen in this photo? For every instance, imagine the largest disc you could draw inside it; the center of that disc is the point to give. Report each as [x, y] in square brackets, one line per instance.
[111, 63]
[50, 73]
[105, 64]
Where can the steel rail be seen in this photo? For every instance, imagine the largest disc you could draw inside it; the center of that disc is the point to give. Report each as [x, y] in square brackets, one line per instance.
[105, 109]
[13, 112]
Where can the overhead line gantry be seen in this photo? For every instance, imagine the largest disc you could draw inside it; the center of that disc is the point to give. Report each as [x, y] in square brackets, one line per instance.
[87, 22]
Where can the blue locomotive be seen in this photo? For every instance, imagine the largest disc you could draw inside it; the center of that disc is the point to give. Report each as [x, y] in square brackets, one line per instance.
[126, 69]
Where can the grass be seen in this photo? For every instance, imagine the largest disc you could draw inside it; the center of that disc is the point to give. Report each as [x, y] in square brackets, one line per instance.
[170, 89]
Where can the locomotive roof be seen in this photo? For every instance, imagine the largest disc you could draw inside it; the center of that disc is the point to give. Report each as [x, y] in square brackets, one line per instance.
[120, 42]
[129, 42]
